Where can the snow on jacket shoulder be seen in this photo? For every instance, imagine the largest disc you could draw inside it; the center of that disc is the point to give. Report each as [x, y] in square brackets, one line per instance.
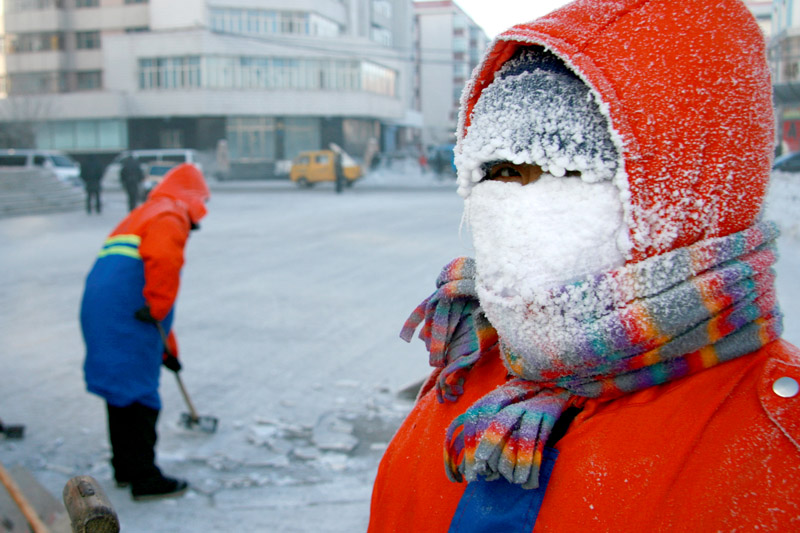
[717, 451]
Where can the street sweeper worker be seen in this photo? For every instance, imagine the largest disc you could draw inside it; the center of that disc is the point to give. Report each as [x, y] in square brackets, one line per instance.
[130, 292]
[610, 359]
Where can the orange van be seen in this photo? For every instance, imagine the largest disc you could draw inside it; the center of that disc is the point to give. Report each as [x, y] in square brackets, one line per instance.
[316, 166]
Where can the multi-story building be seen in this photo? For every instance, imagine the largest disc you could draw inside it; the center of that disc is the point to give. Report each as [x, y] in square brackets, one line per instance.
[449, 45]
[270, 77]
[784, 54]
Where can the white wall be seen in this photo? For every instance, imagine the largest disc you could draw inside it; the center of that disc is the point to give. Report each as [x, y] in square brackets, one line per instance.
[436, 74]
[168, 14]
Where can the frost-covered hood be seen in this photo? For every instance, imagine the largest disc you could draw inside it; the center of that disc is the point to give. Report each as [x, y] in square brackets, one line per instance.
[687, 92]
[185, 184]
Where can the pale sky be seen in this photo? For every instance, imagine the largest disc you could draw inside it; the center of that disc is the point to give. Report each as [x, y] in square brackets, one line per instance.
[494, 16]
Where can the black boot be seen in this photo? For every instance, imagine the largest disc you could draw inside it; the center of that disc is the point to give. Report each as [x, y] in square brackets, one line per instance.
[159, 487]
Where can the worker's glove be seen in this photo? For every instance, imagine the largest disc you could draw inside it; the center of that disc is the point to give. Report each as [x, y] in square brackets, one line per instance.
[143, 314]
[171, 362]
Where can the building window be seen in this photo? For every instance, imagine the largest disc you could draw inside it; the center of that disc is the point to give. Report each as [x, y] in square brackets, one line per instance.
[382, 7]
[460, 71]
[247, 72]
[380, 35]
[108, 134]
[136, 1]
[170, 138]
[89, 80]
[251, 138]
[294, 22]
[377, 79]
[300, 133]
[137, 29]
[34, 42]
[87, 3]
[169, 73]
[87, 40]
[13, 6]
[270, 22]
[34, 83]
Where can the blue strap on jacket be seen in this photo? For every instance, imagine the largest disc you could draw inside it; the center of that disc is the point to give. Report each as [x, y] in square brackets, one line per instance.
[492, 506]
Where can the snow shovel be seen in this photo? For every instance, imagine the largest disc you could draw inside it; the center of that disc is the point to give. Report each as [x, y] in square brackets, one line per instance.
[191, 419]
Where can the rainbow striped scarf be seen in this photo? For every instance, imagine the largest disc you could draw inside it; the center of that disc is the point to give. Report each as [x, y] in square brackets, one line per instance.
[649, 323]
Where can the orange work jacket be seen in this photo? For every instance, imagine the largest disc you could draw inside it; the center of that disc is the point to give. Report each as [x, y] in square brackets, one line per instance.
[716, 451]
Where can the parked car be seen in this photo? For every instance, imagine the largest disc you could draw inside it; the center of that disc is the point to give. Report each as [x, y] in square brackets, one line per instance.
[63, 166]
[153, 174]
[787, 163]
[146, 157]
[316, 166]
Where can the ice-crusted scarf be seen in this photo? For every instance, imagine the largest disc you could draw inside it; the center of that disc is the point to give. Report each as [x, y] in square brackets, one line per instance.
[673, 315]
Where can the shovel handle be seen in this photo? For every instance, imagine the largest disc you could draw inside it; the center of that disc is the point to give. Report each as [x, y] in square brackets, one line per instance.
[185, 394]
[164, 339]
[192, 411]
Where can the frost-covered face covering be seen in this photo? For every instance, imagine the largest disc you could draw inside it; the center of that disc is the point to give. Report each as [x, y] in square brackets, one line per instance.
[566, 224]
[531, 238]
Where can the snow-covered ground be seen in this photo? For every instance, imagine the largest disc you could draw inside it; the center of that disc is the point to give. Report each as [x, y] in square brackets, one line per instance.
[288, 322]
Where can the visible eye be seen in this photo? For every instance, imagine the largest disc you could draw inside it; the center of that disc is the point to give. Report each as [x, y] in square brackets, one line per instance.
[506, 171]
[503, 170]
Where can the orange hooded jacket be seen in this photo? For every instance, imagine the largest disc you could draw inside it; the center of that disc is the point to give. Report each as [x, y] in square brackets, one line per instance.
[688, 92]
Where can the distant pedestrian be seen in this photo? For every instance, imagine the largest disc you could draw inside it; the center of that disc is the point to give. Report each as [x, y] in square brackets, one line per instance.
[92, 174]
[128, 298]
[438, 161]
[132, 177]
[223, 160]
[338, 166]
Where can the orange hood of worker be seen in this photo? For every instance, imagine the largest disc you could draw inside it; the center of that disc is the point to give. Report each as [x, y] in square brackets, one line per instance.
[687, 91]
[186, 185]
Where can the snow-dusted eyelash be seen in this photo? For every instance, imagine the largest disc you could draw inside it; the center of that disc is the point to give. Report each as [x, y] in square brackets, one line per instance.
[486, 169]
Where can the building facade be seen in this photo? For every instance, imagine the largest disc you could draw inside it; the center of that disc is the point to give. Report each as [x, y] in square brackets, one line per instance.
[784, 55]
[268, 77]
[449, 45]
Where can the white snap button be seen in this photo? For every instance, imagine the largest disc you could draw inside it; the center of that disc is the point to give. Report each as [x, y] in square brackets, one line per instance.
[786, 387]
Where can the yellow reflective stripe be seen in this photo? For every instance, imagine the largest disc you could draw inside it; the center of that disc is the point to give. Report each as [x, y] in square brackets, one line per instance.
[123, 239]
[120, 250]
[127, 245]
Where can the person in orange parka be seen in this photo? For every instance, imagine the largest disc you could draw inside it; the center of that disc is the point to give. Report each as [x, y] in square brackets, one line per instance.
[611, 358]
[132, 288]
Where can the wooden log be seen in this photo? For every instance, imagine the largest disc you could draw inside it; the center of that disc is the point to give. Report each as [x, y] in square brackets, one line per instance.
[88, 507]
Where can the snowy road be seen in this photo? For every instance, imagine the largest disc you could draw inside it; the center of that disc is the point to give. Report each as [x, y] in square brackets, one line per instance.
[288, 321]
